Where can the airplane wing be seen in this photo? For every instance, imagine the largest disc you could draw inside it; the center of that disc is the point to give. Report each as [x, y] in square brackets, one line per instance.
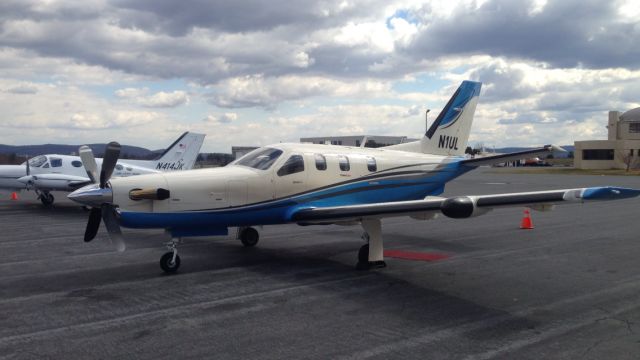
[495, 159]
[54, 181]
[460, 206]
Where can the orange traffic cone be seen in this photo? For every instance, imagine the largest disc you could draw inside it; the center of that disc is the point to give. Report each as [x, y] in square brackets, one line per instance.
[14, 196]
[526, 221]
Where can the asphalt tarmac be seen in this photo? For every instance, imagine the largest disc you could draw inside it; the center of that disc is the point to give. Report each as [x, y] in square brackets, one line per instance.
[568, 289]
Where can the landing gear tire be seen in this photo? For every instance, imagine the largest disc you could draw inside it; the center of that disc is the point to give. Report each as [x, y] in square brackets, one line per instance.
[363, 260]
[249, 237]
[168, 265]
[363, 254]
[46, 199]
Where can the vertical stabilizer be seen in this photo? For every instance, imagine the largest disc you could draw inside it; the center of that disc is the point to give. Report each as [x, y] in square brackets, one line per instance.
[449, 133]
[182, 154]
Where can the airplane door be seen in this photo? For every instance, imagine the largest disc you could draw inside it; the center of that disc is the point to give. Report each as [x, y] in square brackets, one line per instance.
[237, 192]
[291, 177]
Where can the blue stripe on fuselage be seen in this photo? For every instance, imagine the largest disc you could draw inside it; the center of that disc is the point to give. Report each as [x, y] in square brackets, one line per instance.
[390, 189]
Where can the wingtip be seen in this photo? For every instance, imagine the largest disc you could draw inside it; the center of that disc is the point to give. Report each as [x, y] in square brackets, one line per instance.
[609, 193]
[555, 148]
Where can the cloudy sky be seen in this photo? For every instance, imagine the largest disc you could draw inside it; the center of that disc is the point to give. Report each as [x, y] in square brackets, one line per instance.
[251, 72]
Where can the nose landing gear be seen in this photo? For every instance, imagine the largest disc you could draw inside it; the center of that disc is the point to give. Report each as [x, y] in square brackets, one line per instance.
[170, 261]
[248, 236]
[45, 197]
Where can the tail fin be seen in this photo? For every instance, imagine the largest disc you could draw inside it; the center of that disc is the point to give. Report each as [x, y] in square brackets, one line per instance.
[449, 133]
[182, 154]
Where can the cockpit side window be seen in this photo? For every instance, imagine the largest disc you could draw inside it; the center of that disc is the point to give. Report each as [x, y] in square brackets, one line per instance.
[55, 162]
[294, 164]
[37, 161]
[260, 159]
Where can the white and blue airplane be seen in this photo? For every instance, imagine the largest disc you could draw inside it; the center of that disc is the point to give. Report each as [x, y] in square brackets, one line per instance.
[46, 173]
[312, 184]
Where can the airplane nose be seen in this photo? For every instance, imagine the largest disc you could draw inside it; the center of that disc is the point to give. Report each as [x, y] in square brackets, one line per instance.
[26, 179]
[92, 195]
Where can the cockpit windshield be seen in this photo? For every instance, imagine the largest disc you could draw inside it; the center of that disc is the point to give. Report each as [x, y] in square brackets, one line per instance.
[37, 161]
[260, 159]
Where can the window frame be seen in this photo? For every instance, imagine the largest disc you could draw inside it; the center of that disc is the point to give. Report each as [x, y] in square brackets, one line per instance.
[598, 154]
[292, 163]
[249, 160]
[321, 162]
[372, 164]
[55, 162]
[344, 163]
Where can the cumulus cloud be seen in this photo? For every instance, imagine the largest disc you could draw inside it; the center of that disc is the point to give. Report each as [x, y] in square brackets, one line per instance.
[259, 91]
[225, 118]
[544, 64]
[158, 100]
[561, 33]
[23, 89]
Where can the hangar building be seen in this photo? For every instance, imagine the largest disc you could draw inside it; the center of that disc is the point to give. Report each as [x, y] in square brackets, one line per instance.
[356, 140]
[621, 148]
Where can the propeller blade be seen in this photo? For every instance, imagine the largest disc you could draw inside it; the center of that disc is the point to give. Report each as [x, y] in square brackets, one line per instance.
[109, 162]
[28, 167]
[93, 224]
[113, 228]
[89, 162]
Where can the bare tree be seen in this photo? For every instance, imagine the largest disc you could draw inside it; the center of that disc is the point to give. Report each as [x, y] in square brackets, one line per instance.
[628, 159]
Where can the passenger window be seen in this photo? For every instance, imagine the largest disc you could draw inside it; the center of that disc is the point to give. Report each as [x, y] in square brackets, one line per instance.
[371, 164]
[344, 163]
[55, 162]
[76, 163]
[321, 162]
[294, 164]
[119, 167]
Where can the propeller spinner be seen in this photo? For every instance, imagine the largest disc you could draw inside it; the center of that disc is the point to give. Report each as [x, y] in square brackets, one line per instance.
[99, 196]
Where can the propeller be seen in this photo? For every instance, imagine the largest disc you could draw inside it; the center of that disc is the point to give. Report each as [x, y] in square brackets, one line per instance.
[100, 196]
[28, 176]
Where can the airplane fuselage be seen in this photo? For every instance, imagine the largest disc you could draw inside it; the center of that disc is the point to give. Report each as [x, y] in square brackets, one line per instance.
[251, 191]
[61, 173]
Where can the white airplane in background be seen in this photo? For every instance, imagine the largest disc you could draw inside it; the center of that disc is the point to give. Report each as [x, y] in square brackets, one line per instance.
[45, 173]
[312, 184]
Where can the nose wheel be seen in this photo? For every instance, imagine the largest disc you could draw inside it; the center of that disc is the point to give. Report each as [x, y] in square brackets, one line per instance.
[248, 236]
[170, 261]
[46, 198]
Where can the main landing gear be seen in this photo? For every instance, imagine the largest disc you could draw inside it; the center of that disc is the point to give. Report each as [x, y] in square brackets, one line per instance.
[46, 198]
[170, 262]
[248, 236]
[371, 255]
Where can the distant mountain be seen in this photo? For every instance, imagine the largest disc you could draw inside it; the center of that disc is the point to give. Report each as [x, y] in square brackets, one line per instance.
[98, 149]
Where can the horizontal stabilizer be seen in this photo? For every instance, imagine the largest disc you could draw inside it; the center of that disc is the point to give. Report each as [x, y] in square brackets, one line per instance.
[501, 158]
